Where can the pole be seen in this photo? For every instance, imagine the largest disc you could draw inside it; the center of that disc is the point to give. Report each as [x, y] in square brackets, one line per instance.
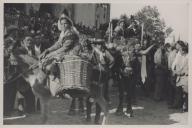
[142, 27]
[109, 28]
[110, 32]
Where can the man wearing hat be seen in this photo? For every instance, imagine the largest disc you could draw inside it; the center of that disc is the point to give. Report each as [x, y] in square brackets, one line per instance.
[10, 67]
[10, 38]
[119, 32]
[12, 31]
[133, 28]
[25, 97]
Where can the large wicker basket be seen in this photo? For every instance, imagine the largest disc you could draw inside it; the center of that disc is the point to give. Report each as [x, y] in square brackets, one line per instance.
[75, 73]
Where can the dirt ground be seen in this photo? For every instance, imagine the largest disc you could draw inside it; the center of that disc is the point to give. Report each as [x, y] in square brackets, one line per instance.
[146, 112]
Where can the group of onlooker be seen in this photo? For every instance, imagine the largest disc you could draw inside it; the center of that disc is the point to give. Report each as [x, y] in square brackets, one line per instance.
[160, 69]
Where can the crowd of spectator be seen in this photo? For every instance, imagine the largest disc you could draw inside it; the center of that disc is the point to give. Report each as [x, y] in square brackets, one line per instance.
[160, 63]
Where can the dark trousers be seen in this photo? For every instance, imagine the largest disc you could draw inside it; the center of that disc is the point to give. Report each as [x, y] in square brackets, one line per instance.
[126, 86]
[171, 83]
[80, 103]
[178, 98]
[135, 81]
[147, 86]
[185, 101]
[9, 98]
[170, 94]
[98, 110]
[9, 90]
[160, 82]
[106, 91]
[29, 100]
[97, 93]
[10, 95]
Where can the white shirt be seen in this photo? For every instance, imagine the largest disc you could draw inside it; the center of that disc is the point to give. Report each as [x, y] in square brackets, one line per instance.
[179, 62]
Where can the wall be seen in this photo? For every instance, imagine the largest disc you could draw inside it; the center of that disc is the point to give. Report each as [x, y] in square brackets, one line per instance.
[58, 9]
[102, 14]
[85, 14]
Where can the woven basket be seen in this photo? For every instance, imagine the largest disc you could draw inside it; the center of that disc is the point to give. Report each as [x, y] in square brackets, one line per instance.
[75, 73]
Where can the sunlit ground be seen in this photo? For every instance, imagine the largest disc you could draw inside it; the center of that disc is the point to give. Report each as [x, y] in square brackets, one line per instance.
[146, 112]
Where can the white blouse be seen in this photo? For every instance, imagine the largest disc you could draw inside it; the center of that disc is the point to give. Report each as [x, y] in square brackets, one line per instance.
[180, 62]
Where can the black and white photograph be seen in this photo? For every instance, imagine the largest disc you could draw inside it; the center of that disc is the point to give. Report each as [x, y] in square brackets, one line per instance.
[95, 63]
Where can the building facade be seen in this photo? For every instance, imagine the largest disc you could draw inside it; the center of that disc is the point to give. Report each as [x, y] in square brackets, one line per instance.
[92, 15]
[87, 14]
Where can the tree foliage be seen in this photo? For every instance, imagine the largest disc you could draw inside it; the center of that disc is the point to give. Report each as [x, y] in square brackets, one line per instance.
[168, 31]
[125, 17]
[153, 25]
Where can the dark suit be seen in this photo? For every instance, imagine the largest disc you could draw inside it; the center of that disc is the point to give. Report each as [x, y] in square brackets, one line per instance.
[22, 86]
[9, 71]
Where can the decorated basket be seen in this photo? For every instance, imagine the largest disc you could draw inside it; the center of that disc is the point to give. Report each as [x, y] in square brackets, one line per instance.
[75, 73]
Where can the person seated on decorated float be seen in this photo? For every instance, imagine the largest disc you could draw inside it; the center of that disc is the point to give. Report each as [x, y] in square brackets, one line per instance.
[67, 44]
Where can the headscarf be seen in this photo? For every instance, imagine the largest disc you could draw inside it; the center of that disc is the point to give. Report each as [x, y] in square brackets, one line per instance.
[70, 21]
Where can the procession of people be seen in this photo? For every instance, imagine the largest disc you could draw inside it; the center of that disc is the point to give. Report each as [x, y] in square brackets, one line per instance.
[158, 68]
